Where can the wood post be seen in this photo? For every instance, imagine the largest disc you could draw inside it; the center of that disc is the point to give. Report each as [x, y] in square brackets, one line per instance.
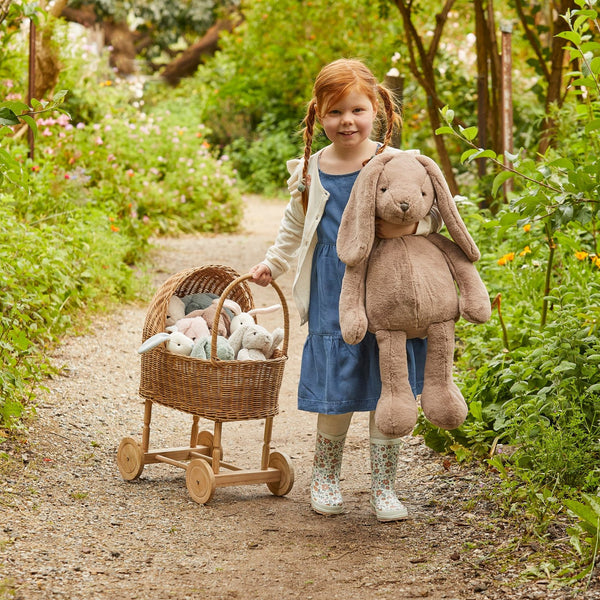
[146, 430]
[31, 86]
[507, 108]
[394, 82]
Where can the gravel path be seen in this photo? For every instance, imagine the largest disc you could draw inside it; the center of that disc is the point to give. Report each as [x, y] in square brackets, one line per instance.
[72, 528]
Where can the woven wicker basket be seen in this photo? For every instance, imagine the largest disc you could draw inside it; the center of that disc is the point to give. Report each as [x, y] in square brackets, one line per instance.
[221, 390]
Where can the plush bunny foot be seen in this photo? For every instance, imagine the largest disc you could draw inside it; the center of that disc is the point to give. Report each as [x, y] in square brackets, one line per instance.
[441, 401]
[444, 408]
[396, 413]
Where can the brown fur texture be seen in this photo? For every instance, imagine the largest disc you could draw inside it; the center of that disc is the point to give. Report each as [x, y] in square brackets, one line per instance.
[410, 286]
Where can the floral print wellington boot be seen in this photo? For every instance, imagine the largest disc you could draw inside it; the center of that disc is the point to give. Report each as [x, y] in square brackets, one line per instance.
[384, 461]
[325, 494]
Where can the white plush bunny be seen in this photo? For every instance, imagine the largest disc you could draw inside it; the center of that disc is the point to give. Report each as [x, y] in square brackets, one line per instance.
[254, 342]
[177, 343]
[246, 318]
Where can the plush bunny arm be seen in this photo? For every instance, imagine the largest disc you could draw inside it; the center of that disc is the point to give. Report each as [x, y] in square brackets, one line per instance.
[447, 207]
[235, 340]
[353, 316]
[474, 301]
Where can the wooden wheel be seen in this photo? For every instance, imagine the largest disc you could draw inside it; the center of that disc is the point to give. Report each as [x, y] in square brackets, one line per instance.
[206, 438]
[283, 464]
[130, 459]
[200, 480]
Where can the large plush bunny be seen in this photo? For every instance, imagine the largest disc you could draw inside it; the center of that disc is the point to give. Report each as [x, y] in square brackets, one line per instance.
[406, 287]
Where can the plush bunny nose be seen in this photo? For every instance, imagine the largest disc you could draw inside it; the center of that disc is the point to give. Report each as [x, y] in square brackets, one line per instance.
[404, 206]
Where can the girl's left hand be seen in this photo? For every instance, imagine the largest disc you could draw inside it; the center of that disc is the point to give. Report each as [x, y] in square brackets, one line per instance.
[387, 230]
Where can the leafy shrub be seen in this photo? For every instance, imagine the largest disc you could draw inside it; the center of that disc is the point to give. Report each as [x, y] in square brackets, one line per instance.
[76, 219]
[261, 163]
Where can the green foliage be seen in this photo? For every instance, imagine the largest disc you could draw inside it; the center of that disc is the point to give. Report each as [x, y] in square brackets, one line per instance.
[531, 375]
[76, 219]
[163, 23]
[261, 163]
[259, 83]
[587, 530]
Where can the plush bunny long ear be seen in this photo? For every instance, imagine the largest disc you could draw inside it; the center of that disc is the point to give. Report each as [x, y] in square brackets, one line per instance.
[452, 219]
[357, 229]
[233, 306]
[153, 341]
[264, 310]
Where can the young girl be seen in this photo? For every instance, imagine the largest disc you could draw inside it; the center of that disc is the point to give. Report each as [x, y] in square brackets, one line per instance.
[336, 378]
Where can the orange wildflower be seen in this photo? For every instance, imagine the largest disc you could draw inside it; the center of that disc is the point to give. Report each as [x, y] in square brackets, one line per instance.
[506, 258]
[581, 255]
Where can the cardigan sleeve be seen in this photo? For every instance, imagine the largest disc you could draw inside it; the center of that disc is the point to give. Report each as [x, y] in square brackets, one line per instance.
[431, 223]
[289, 236]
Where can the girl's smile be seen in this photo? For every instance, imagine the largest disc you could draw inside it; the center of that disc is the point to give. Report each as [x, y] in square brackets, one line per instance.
[349, 121]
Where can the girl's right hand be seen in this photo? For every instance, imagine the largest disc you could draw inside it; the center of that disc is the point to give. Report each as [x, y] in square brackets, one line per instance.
[261, 274]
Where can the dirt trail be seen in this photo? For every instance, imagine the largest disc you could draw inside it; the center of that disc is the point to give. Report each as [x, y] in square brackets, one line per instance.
[72, 528]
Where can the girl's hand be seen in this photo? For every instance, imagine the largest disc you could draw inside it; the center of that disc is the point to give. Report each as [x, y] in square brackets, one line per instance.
[261, 274]
[387, 230]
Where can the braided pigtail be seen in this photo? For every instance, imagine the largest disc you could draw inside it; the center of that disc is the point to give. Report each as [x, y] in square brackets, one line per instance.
[392, 118]
[307, 134]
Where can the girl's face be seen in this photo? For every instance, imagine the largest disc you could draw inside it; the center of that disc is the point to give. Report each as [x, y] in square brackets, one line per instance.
[349, 121]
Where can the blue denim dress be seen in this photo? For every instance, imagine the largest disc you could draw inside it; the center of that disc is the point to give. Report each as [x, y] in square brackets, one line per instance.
[337, 377]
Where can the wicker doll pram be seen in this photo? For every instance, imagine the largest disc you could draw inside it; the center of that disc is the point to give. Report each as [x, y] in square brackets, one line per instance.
[219, 390]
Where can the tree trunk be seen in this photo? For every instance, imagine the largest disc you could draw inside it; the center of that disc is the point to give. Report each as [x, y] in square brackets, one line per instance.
[122, 40]
[188, 61]
[555, 77]
[421, 63]
[553, 72]
[117, 35]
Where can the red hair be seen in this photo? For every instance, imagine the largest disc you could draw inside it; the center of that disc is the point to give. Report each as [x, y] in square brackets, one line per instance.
[333, 83]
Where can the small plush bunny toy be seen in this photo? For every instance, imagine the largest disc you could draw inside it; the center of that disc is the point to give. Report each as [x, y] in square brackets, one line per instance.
[406, 287]
[254, 342]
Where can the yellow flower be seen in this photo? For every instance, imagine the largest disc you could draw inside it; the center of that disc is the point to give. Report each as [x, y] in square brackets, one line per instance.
[506, 258]
[595, 260]
[527, 227]
[526, 250]
[581, 255]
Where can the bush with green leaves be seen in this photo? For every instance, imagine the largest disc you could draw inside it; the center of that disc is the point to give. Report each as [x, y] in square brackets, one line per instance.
[531, 374]
[261, 79]
[77, 216]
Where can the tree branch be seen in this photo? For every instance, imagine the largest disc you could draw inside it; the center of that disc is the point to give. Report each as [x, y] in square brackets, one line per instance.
[534, 41]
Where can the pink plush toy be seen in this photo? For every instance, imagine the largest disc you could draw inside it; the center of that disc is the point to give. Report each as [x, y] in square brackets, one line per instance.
[193, 327]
